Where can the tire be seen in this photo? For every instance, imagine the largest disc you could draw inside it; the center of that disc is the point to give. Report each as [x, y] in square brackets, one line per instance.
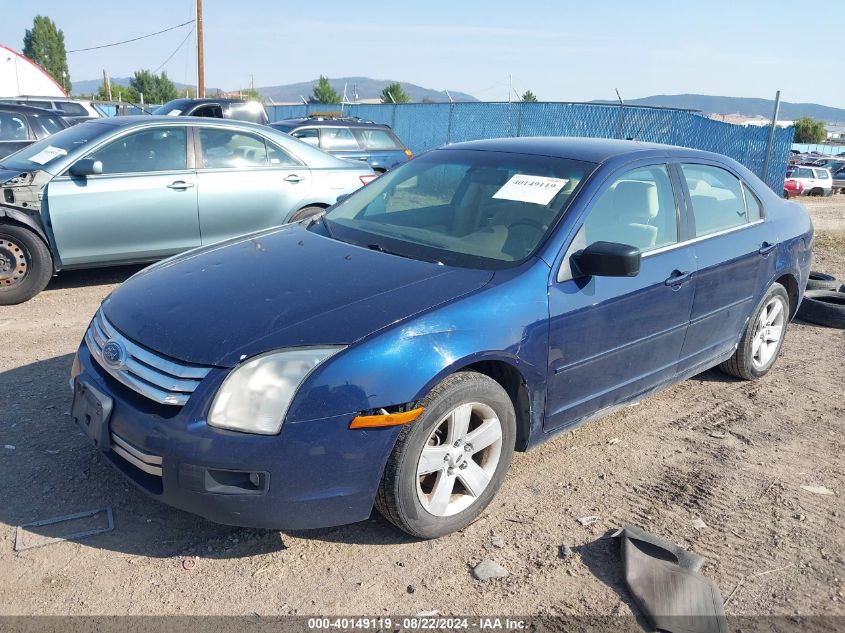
[305, 213]
[821, 281]
[762, 339]
[786, 194]
[25, 264]
[409, 500]
[823, 307]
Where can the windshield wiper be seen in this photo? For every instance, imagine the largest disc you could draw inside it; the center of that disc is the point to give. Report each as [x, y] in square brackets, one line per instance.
[382, 249]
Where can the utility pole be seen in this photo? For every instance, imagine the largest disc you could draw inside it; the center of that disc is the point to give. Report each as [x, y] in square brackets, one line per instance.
[107, 84]
[200, 54]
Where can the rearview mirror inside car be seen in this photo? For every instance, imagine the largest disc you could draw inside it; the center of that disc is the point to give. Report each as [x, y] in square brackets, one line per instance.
[609, 259]
[86, 167]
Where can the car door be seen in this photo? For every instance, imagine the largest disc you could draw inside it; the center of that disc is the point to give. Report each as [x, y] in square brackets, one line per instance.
[141, 208]
[735, 251]
[246, 183]
[612, 338]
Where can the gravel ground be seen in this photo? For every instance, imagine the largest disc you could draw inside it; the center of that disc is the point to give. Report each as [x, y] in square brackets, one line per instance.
[714, 464]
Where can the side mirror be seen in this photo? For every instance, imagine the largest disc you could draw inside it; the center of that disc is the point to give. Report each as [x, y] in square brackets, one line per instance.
[342, 197]
[86, 167]
[609, 259]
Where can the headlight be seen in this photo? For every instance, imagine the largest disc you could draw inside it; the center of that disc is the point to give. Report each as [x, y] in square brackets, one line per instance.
[256, 395]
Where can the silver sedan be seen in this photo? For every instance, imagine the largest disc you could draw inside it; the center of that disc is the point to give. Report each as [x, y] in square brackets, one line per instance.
[137, 189]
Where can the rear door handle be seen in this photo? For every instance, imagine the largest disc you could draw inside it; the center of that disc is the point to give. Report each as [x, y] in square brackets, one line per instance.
[364, 158]
[293, 178]
[677, 278]
[180, 185]
[766, 248]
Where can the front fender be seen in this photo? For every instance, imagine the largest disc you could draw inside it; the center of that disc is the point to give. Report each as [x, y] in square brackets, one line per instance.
[30, 221]
[505, 321]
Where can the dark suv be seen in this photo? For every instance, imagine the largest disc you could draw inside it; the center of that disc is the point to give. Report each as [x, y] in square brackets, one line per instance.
[23, 125]
[237, 109]
[350, 138]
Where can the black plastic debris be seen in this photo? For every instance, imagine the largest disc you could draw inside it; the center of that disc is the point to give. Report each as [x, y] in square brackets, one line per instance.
[664, 581]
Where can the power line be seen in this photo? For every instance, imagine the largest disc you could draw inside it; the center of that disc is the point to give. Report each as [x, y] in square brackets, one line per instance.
[181, 44]
[134, 39]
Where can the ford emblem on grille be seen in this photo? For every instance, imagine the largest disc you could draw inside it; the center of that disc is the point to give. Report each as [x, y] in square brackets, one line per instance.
[114, 354]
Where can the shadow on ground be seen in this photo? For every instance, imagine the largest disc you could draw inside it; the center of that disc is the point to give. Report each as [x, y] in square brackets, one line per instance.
[92, 277]
[49, 469]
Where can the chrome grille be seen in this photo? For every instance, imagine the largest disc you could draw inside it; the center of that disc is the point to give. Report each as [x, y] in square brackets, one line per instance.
[150, 464]
[159, 379]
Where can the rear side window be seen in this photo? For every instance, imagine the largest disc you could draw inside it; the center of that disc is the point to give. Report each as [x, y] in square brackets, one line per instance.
[637, 209]
[227, 149]
[376, 139]
[821, 174]
[752, 204]
[717, 198]
[338, 138]
[309, 135]
[13, 127]
[70, 108]
[155, 149]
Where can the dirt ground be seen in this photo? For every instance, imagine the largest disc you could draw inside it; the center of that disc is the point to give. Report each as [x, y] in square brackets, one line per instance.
[714, 464]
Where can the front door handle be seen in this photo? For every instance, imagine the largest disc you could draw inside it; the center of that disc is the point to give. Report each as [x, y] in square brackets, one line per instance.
[180, 185]
[766, 248]
[678, 277]
[293, 178]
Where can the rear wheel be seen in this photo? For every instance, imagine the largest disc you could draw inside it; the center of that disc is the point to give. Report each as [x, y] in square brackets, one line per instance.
[763, 337]
[306, 212]
[447, 466]
[25, 264]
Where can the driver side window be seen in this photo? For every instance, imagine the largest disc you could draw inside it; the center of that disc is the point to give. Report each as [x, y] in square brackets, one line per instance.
[637, 209]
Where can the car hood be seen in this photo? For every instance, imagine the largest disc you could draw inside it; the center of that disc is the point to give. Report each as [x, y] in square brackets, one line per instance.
[279, 288]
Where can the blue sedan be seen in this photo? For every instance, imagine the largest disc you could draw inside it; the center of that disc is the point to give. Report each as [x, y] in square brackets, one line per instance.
[397, 350]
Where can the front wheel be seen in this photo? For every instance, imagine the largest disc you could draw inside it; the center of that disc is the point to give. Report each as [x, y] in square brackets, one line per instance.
[448, 464]
[763, 337]
[305, 213]
[25, 264]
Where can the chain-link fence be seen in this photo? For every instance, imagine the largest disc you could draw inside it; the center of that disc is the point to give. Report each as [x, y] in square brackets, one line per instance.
[424, 126]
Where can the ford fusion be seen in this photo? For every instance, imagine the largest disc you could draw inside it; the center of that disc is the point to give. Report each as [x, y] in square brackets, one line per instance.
[398, 349]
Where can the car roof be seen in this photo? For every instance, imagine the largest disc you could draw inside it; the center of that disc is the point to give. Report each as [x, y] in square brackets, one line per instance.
[198, 101]
[140, 119]
[303, 121]
[594, 150]
[25, 109]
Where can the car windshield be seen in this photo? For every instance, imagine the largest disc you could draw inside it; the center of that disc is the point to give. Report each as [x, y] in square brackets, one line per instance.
[469, 208]
[173, 108]
[40, 154]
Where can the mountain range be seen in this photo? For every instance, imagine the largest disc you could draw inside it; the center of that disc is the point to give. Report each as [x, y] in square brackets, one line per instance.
[365, 88]
[742, 106]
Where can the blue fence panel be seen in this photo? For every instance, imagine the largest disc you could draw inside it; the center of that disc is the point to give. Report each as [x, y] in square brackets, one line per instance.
[424, 126]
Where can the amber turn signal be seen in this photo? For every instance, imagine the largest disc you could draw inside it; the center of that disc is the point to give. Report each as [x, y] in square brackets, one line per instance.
[387, 419]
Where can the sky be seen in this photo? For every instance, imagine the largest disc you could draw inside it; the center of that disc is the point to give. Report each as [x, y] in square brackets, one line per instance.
[561, 50]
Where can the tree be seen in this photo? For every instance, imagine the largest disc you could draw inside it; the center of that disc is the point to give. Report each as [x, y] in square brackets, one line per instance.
[45, 45]
[126, 94]
[809, 130]
[529, 97]
[251, 94]
[393, 93]
[155, 88]
[323, 92]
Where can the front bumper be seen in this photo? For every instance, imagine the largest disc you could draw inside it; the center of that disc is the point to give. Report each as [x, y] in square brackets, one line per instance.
[315, 473]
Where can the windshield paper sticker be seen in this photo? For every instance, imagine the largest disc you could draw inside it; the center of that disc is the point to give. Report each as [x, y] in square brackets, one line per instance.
[47, 154]
[533, 189]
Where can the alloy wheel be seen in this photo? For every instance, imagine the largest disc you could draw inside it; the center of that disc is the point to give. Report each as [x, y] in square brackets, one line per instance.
[459, 459]
[768, 332]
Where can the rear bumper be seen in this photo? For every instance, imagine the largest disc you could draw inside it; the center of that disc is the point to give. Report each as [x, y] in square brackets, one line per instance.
[315, 473]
